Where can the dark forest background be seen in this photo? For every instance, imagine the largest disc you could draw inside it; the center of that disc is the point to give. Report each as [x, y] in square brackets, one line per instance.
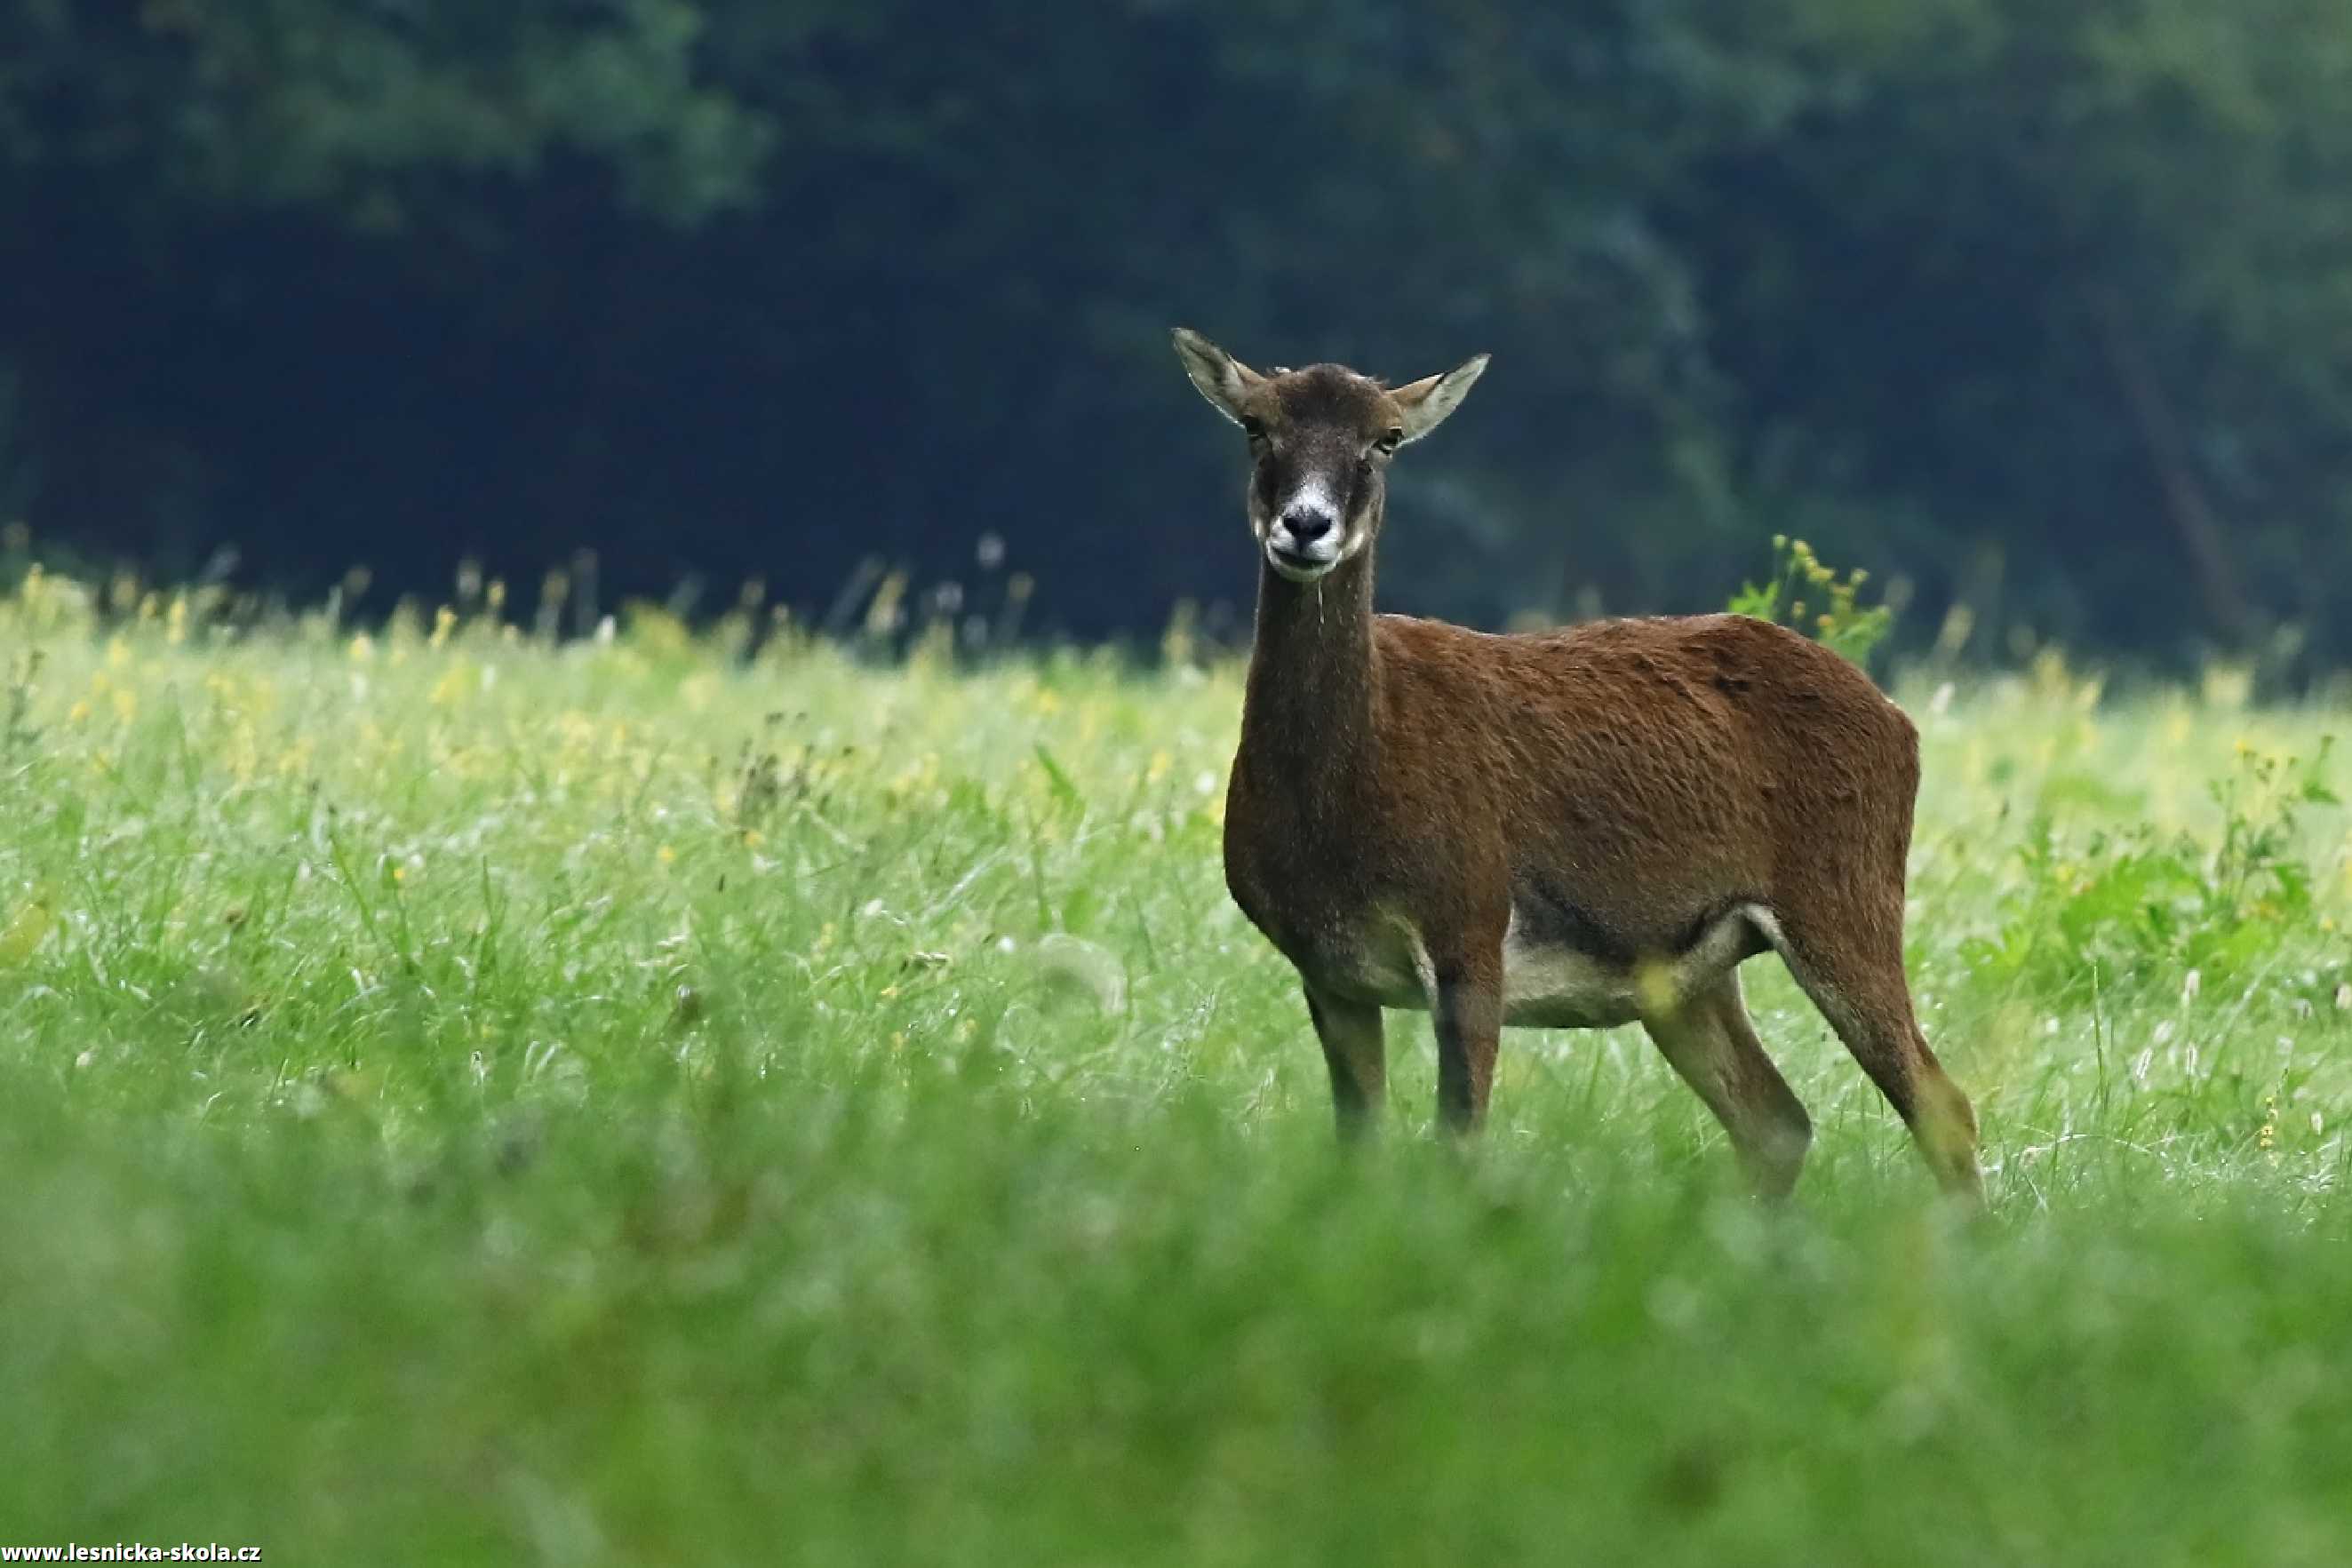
[2039, 306]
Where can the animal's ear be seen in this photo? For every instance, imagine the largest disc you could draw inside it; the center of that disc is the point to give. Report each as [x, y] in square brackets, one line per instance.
[1427, 402]
[1221, 378]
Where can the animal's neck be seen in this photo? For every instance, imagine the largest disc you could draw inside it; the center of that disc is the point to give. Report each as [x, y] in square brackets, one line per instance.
[1307, 715]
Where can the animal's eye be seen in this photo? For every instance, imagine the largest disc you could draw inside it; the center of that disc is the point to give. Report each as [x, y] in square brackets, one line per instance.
[1390, 442]
[1253, 428]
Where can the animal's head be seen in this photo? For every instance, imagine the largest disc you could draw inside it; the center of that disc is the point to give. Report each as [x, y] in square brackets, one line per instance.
[1319, 441]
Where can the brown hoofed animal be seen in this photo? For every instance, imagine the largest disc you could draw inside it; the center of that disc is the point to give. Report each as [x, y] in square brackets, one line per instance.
[1572, 829]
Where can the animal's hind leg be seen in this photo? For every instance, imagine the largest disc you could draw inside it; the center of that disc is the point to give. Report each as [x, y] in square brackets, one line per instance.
[1858, 985]
[1711, 1044]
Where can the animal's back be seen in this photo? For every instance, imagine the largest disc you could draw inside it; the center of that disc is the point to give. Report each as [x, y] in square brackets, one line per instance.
[1654, 769]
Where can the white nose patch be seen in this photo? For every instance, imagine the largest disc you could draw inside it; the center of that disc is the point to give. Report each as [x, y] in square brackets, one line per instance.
[1315, 497]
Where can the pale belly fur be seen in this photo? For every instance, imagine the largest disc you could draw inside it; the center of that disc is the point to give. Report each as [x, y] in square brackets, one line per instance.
[1548, 985]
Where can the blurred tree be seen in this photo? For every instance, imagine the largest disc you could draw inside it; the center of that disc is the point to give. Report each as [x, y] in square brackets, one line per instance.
[2056, 282]
[2039, 305]
[374, 110]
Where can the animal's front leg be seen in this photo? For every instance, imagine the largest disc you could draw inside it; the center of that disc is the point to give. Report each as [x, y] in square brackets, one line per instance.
[1355, 1048]
[1467, 1006]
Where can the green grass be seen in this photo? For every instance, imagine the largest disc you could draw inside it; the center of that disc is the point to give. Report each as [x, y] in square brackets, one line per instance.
[467, 1100]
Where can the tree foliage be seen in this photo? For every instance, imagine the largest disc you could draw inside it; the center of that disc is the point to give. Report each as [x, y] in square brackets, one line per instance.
[2040, 308]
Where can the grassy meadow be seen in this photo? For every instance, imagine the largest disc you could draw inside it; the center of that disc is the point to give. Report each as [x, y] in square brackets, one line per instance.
[469, 1099]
